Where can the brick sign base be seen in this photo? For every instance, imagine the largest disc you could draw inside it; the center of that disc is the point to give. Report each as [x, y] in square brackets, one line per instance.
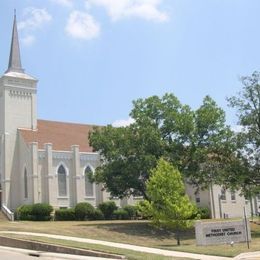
[221, 232]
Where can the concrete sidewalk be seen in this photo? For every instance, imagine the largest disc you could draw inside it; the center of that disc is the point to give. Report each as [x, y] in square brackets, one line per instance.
[26, 254]
[123, 246]
[248, 256]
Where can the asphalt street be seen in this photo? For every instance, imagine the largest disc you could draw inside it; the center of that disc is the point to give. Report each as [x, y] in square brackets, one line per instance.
[8, 253]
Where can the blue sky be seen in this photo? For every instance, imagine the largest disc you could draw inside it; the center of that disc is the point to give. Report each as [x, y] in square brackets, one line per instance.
[93, 58]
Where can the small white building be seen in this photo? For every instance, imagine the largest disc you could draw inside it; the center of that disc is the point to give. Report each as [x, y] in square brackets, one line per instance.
[224, 203]
[46, 161]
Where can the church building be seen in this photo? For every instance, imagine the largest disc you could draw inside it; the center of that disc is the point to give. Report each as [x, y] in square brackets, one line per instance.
[47, 161]
[40, 160]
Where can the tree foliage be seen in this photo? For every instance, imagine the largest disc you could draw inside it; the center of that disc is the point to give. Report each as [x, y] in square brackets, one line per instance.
[247, 103]
[168, 206]
[246, 171]
[197, 142]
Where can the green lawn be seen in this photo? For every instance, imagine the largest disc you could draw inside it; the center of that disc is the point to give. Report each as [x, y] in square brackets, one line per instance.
[132, 232]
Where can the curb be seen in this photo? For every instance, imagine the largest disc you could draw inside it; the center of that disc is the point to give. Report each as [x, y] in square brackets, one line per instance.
[39, 248]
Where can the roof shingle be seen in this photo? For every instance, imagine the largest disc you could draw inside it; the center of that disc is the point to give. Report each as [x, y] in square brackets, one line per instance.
[62, 135]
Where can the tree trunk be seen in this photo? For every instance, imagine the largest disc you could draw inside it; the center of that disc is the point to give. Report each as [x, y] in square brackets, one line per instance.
[178, 237]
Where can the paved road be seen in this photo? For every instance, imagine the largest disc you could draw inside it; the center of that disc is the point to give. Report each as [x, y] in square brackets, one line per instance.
[8, 253]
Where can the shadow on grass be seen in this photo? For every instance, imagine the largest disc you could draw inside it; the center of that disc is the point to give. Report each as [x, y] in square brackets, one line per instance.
[144, 230]
[255, 230]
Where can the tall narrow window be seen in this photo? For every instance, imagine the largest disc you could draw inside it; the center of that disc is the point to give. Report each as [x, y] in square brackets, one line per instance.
[197, 197]
[25, 178]
[233, 195]
[223, 194]
[62, 182]
[89, 186]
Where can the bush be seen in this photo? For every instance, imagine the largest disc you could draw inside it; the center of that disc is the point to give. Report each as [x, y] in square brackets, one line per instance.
[24, 212]
[108, 208]
[121, 214]
[131, 210]
[141, 213]
[65, 214]
[98, 215]
[84, 211]
[203, 212]
[41, 211]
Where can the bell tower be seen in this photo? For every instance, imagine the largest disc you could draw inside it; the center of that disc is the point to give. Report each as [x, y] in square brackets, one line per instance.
[18, 109]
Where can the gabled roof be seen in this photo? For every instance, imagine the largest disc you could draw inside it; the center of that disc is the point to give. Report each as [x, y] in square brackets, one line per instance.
[62, 135]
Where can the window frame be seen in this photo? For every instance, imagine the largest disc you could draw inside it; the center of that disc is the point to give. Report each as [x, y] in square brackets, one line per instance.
[65, 178]
[25, 183]
[223, 194]
[85, 183]
[233, 195]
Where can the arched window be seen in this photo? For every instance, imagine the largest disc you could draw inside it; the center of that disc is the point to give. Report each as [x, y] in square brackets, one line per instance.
[25, 179]
[89, 186]
[62, 182]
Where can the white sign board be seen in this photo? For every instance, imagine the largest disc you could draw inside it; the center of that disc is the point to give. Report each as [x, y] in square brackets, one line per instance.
[221, 232]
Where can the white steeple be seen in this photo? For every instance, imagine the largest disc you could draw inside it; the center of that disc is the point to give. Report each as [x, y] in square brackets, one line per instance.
[15, 64]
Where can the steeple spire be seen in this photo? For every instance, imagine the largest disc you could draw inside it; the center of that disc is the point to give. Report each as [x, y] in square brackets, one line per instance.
[14, 58]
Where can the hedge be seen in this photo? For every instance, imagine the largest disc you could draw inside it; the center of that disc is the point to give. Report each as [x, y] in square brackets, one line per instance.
[41, 211]
[98, 215]
[38, 211]
[24, 212]
[108, 208]
[131, 210]
[65, 214]
[120, 214]
[84, 211]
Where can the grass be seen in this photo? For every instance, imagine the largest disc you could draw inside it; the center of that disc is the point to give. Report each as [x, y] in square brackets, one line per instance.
[130, 255]
[130, 232]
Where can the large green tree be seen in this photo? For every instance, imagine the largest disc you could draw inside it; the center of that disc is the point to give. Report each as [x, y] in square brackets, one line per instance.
[197, 142]
[246, 171]
[168, 207]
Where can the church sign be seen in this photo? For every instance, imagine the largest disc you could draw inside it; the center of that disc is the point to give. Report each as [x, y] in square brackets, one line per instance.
[221, 232]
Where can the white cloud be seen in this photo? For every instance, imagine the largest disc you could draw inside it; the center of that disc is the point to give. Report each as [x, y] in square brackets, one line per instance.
[66, 3]
[145, 9]
[123, 122]
[82, 26]
[34, 18]
[28, 40]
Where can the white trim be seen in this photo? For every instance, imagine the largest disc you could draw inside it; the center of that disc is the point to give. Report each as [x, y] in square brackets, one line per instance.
[89, 197]
[8, 213]
[91, 168]
[67, 182]
[88, 165]
[62, 155]
[64, 151]
[65, 167]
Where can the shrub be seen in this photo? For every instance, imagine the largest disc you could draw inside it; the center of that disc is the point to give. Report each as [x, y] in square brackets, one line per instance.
[65, 214]
[98, 215]
[131, 210]
[203, 212]
[108, 208]
[84, 211]
[41, 211]
[24, 212]
[120, 214]
[140, 214]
